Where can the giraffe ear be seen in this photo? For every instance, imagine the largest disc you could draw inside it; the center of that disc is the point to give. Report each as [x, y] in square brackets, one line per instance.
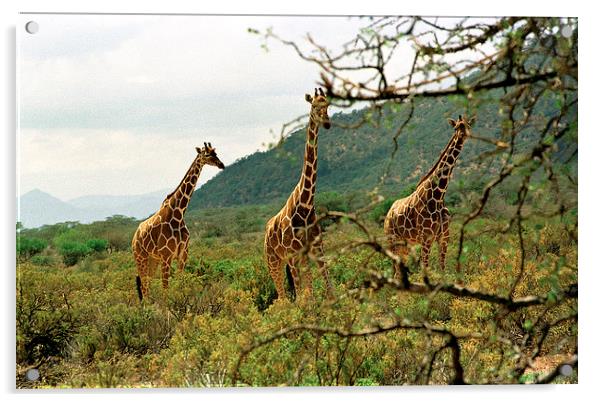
[308, 98]
[472, 121]
[198, 149]
[451, 122]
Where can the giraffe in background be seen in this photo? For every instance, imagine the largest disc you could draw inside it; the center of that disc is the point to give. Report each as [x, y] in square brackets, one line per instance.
[422, 218]
[293, 233]
[164, 236]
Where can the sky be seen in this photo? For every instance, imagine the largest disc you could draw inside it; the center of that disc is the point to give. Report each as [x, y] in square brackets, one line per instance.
[116, 104]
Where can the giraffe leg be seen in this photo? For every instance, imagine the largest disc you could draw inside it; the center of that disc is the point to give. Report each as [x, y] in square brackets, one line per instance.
[294, 263]
[142, 267]
[401, 269]
[165, 268]
[152, 266]
[183, 256]
[424, 256]
[443, 240]
[276, 272]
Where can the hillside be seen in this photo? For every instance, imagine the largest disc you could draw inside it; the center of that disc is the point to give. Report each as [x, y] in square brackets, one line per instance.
[352, 160]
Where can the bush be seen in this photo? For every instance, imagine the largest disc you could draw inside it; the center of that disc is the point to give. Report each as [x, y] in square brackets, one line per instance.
[42, 260]
[46, 323]
[73, 252]
[97, 245]
[27, 246]
[379, 212]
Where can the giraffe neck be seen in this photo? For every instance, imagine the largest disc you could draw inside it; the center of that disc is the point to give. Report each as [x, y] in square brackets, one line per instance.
[307, 182]
[180, 197]
[440, 174]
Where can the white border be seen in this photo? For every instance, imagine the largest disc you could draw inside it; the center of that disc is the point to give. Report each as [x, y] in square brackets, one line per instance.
[588, 195]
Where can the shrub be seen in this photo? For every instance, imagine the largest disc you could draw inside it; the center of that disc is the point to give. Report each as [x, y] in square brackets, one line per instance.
[42, 260]
[97, 245]
[379, 212]
[73, 252]
[27, 246]
[46, 323]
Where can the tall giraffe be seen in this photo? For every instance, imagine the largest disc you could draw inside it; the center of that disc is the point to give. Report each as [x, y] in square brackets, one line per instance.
[422, 218]
[293, 233]
[164, 235]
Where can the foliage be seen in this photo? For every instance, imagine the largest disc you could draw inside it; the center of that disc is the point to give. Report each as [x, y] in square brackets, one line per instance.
[27, 247]
[84, 327]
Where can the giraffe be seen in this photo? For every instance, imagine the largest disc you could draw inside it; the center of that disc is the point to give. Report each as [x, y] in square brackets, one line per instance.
[293, 232]
[422, 218]
[164, 236]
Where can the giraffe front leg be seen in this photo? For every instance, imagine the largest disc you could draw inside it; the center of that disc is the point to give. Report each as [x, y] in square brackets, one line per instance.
[183, 257]
[443, 240]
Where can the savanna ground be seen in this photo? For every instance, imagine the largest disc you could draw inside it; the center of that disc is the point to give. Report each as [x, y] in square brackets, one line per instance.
[79, 320]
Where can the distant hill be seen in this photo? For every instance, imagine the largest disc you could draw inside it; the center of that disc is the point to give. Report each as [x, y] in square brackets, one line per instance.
[38, 208]
[355, 159]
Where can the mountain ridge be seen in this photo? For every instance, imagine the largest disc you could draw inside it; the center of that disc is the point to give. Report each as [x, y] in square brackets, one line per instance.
[38, 208]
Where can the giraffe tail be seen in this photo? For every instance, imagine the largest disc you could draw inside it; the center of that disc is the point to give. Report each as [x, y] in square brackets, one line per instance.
[291, 282]
[139, 287]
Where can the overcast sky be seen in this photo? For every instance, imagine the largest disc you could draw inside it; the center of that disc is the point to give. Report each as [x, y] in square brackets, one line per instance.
[117, 104]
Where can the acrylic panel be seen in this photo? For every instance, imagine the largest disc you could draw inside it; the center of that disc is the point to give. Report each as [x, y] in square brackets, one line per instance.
[177, 226]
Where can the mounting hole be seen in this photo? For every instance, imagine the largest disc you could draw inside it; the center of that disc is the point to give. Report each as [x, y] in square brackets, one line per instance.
[566, 370]
[32, 375]
[32, 27]
[566, 31]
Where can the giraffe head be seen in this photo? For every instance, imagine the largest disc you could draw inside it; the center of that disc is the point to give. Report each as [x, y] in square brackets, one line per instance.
[319, 107]
[462, 126]
[208, 156]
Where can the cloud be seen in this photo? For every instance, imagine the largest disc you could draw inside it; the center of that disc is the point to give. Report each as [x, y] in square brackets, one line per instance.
[116, 104]
[114, 162]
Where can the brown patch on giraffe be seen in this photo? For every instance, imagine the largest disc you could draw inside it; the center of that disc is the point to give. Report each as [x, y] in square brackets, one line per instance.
[431, 205]
[311, 155]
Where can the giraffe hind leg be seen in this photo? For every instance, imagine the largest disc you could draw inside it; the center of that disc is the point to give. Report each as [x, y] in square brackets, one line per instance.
[292, 277]
[142, 278]
[277, 273]
[165, 271]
